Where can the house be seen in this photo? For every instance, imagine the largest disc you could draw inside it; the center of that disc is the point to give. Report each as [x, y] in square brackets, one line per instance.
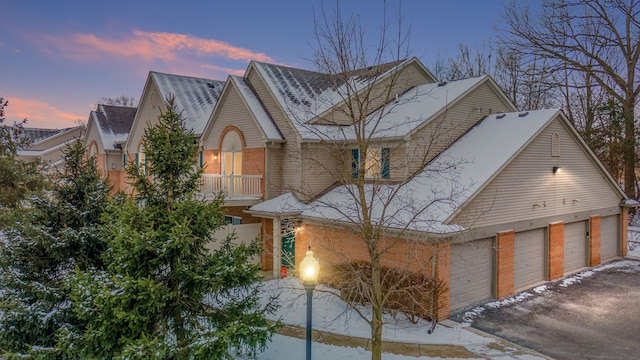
[509, 199]
[107, 130]
[487, 199]
[48, 145]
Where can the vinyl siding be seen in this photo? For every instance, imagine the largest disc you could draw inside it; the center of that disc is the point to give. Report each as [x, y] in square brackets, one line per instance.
[527, 188]
[234, 112]
[322, 167]
[440, 132]
[146, 116]
[290, 151]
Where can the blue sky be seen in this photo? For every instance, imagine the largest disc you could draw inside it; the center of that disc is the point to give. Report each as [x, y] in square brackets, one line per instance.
[59, 58]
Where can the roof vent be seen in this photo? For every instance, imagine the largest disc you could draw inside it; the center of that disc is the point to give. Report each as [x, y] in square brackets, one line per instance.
[211, 85]
[442, 83]
[500, 116]
[523, 114]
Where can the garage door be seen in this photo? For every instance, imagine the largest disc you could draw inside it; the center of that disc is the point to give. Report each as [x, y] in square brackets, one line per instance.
[609, 237]
[529, 258]
[471, 272]
[575, 246]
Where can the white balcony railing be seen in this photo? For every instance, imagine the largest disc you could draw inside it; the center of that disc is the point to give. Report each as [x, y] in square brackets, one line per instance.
[235, 186]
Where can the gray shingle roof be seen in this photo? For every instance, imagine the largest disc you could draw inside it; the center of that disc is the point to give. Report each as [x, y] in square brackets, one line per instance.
[36, 134]
[194, 97]
[114, 123]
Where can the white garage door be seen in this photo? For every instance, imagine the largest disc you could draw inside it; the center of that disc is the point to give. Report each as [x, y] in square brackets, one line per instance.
[529, 258]
[471, 272]
[609, 237]
[575, 246]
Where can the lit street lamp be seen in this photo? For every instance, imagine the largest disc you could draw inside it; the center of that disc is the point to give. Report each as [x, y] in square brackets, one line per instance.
[309, 271]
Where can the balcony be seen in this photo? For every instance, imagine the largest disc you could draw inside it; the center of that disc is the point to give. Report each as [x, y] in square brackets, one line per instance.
[237, 187]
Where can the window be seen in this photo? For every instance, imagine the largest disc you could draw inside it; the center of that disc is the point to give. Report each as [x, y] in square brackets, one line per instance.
[555, 144]
[141, 158]
[376, 163]
[232, 220]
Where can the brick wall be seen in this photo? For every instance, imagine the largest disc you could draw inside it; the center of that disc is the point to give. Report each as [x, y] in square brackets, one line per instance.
[505, 252]
[334, 246]
[595, 236]
[556, 250]
[211, 161]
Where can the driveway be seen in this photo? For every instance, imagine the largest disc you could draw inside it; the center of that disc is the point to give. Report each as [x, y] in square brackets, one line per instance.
[594, 314]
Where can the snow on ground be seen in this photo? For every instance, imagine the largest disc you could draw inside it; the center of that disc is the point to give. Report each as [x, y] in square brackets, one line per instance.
[330, 314]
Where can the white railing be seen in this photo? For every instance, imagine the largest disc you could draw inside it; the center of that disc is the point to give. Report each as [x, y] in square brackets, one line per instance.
[235, 186]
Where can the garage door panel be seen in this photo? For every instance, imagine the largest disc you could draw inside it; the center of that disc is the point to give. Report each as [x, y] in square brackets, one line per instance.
[471, 272]
[529, 258]
[609, 237]
[575, 246]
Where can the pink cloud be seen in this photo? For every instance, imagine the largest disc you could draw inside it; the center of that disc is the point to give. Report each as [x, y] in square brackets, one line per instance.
[225, 70]
[149, 46]
[40, 114]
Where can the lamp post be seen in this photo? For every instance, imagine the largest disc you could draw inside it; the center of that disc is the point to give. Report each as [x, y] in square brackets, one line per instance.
[309, 271]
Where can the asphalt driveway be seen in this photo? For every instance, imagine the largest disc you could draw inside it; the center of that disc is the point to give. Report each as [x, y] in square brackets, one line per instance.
[591, 315]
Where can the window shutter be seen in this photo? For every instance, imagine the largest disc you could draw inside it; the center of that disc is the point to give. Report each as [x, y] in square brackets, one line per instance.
[354, 163]
[146, 168]
[201, 162]
[137, 160]
[384, 157]
[124, 161]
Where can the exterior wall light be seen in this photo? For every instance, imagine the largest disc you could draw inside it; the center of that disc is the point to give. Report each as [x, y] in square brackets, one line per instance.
[555, 169]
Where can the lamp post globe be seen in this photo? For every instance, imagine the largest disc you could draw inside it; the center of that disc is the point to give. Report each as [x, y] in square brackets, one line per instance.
[309, 271]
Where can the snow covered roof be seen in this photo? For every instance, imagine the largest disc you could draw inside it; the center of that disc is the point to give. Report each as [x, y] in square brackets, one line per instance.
[113, 123]
[194, 97]
[410, 111]
[428, 201]
[305, 94]
[284, 204]
[269, 128]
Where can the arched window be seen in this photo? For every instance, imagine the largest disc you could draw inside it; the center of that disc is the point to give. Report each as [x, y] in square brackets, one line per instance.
[231, 153]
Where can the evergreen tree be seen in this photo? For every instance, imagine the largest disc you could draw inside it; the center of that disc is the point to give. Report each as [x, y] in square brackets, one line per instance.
[17, 178]
[164, 295]
[57, 234]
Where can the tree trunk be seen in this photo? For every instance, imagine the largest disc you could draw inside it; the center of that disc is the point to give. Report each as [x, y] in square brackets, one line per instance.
[629, 147]
[376, 307]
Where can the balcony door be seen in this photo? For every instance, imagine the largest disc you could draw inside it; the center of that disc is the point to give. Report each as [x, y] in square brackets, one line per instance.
[232, 162]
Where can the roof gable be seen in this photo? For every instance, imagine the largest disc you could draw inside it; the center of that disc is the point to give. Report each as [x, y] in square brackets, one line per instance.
[113, 123]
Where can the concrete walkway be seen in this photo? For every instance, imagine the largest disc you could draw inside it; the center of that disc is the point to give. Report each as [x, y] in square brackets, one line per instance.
[500, 348]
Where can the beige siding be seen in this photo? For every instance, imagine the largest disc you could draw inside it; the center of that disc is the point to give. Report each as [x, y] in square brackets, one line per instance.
[527, 188]
[439, 133]
[322, 166]
[232, 111]
[273, 181]
[93, 135]
[150, 107]
[291, 160]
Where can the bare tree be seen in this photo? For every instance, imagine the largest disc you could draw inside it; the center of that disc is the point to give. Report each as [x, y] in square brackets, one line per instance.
[122, 100]
[353, 122]
[598, 39]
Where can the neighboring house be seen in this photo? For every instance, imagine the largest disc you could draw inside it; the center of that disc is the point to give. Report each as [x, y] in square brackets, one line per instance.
[107, 131]
[194, 98]
[48, 145]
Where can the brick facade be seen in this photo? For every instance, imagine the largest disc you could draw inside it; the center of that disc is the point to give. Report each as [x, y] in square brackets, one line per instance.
[266, 258]
[334, 246]
[556, 250]
[505, 252]
[595, 236]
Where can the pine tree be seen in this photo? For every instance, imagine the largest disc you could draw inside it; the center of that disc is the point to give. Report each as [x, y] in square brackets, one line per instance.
[57, 234]
[164, 296]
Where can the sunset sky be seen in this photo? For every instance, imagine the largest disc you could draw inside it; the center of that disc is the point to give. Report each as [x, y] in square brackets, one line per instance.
[59, 58]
